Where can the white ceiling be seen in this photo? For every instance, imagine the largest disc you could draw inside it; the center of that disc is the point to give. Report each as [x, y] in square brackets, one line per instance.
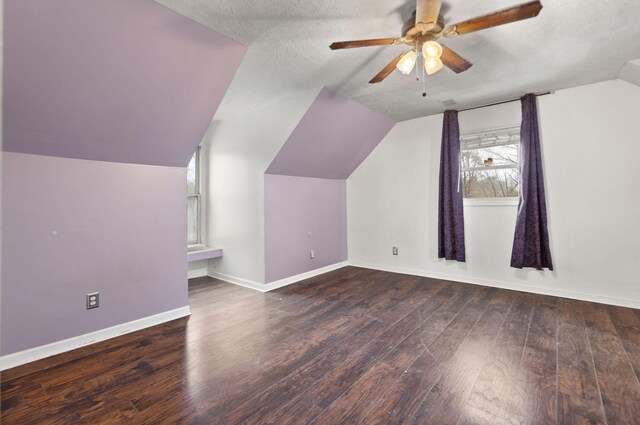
[571, 43]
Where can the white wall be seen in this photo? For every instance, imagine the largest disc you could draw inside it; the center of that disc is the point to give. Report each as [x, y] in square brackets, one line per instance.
[240, 146]
[198, 268]
[590, 146]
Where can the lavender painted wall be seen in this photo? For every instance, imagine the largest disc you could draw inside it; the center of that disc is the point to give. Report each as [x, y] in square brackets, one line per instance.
[295, 206]
[112, 80]
[335, 135]
[120, 230]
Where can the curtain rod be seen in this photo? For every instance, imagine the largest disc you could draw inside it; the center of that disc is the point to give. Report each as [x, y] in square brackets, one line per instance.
[500, 103]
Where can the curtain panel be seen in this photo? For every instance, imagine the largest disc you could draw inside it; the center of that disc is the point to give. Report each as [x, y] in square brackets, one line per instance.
[450, 206]
[531, 240]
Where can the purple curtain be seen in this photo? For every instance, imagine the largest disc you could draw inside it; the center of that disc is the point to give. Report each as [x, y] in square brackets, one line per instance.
[450, 208]
[531, 241]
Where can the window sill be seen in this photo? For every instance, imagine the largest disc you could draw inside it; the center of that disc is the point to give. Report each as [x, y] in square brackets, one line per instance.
[196, 247]
[491, 202]
[201, 252]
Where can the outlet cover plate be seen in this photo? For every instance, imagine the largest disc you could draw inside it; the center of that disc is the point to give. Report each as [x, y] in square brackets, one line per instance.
[93, 300]
[395, 250]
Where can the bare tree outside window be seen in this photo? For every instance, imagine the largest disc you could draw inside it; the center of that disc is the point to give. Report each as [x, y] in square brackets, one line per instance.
[490, 164]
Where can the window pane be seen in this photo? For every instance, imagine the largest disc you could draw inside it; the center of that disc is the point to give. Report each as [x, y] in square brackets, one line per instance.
[192, 219]
[490, 183]
[505, 155]
[490, 163]
[191, 175]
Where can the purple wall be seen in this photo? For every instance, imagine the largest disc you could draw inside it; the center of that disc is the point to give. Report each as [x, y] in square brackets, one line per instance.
[121, 230]
[293, 207]
[335, 135]
[112, 80]
[304, 187]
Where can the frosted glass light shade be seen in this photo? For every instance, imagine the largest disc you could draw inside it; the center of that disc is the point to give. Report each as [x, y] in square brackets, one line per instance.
[407, 62]
[432, 65]
[431, 49]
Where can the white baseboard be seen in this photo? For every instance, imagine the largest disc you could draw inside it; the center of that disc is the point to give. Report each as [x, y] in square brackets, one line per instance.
[582, 296]
[278, 283]
[48, 350]
[256, 286]
[302, 276]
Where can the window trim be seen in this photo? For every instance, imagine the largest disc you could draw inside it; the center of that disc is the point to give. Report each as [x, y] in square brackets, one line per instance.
[490, 167]
[198, 196]
[510, 201]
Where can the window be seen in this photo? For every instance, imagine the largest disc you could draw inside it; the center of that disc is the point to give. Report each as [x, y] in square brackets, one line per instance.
[193, 199]
[490, 164]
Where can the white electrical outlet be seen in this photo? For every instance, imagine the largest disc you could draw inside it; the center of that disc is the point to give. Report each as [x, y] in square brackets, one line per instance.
[93, 300]
[395, 250]
[312, 254]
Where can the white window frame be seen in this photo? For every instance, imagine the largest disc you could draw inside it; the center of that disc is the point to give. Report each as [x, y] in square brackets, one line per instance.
[198, 196]
[495, 201]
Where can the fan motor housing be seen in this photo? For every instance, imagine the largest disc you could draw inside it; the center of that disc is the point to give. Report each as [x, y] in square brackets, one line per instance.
[412, 34]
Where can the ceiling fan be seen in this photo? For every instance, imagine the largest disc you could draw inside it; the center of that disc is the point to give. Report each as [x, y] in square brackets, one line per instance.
[426, 26]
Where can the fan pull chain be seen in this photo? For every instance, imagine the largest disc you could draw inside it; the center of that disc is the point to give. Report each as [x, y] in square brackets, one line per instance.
[417, 63]
[424, 82]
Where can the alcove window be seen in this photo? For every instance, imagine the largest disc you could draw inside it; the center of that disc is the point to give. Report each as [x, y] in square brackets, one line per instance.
[193, 199]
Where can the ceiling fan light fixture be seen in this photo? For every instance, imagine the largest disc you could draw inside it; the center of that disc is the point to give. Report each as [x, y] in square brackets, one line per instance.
[407, 62]
[432, 65]
[431, 49]
[428, 25]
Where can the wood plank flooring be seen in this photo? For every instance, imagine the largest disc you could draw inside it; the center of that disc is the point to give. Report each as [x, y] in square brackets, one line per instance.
[354, 346]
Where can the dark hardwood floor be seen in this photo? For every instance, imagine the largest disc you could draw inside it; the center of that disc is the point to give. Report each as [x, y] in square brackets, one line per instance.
[348, 347]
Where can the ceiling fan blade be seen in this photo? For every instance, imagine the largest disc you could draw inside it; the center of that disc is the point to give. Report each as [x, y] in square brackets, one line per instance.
[501, 17]
[387, 69]
[427, 12]
[454, 61]
[364, 43]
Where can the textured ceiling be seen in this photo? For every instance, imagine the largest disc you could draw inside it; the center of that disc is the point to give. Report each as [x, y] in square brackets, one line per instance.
[630, 72]
[571, 42]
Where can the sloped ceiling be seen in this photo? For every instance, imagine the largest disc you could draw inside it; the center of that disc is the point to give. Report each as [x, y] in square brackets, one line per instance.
[333, 137]
[572, 42]
[630, 72]
[112, 80]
